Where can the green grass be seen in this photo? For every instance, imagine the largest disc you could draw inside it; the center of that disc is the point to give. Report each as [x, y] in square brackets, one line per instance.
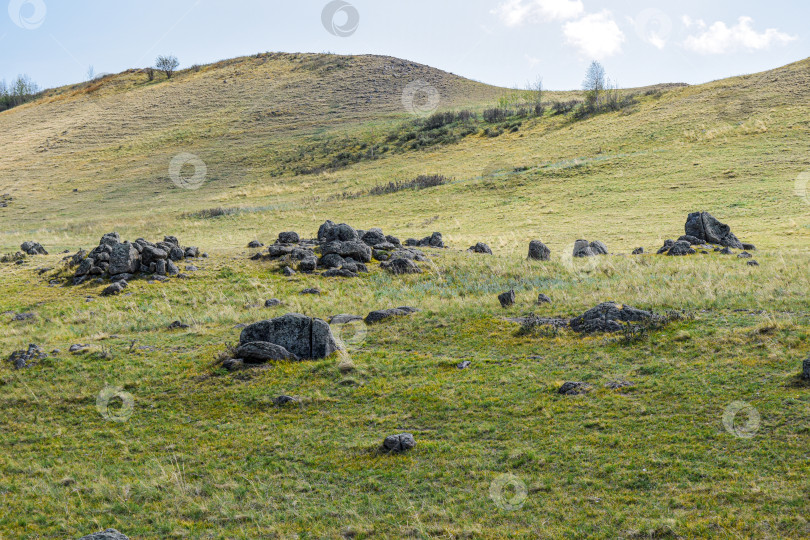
[205, 454]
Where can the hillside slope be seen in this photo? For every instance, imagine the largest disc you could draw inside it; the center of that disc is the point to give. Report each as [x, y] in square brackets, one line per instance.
[106, 147]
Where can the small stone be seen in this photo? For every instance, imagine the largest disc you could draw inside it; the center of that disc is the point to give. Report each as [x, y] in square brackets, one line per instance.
[77, 348]
[638, 251]
[480, 247]
[273, 302]
[280, 401]
[113, 289]
[255, 244]
[383, 314]
[464, 365]
[288, 271]
[574, 388]
[399, 443]
[177, 325]
[806, 369]
[108, 534]
[752, 263]
[311, 291]
[543, 299]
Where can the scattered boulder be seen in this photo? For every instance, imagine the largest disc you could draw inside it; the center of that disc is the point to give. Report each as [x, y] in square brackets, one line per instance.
[114, 288]
[543, 299]
[608, 317]
[255, 244]
[108, 534]
[383, 314]
[273, 302]
[33, 248]
[435, 240]
[259, 352]
[753, 263]
[538, 251]
[288, 271]
[399, 443]
[574, 388]
[806, 369]
[745, 255]
[401, 266]
[464, 365]
[312, 290]
[707, 229]
[77, 348]
[507, 299]
[480, 247]
[305, 337]
[289, 237]
[25, 358]
[678, 249]
[582, 248]
[638, 251]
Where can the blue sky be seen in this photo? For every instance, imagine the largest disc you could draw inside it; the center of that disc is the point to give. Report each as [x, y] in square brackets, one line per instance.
[503, 42]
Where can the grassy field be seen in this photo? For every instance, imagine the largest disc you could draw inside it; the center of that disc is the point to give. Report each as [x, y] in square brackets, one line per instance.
[187, 450]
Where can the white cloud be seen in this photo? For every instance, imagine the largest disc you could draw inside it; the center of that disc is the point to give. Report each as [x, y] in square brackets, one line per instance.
[531, 60]
[689, 22]
[597, 35]
[721, 39]
[518, 12]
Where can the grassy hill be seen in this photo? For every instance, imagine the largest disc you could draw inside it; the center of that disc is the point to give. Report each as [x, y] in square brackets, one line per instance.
[292, 140]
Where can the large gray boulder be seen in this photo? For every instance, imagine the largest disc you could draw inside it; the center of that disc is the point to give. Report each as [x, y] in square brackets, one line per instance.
[704, 226]
[305, 337]
[329, 232]
[124, 259]
[374, 237]
[109, 534]
[538, 251]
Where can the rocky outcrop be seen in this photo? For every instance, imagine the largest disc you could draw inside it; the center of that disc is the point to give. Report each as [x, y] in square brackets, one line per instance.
[705, 228]
[121, 261]
[608, 317]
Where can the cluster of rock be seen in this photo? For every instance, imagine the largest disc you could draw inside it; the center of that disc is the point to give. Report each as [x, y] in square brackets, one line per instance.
[26, 358]
[480, 247]
[605, 318]
[343, 251]
[704, 231]
[121, 261]
[290, 337]
[434, 240]
[609, 317]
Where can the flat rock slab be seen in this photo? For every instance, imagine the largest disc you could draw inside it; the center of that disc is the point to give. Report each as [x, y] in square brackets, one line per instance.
[305, 337]
[383, 314]
[109, 534]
